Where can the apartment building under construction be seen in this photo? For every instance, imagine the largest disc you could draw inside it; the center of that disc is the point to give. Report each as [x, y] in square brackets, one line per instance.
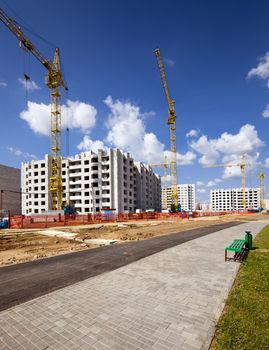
[231, 199]
[92, 182]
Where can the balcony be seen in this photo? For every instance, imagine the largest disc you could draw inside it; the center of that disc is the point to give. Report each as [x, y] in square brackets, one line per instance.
[75, 198]
[75, 189]
[76, 166]
[75, 174]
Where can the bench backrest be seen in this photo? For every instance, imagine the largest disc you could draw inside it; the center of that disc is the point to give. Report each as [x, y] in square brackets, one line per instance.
[248, 240]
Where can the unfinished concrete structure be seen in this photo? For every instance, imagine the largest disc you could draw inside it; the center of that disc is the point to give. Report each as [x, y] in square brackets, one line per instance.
[10, 189]
[231, 199]
[93, 182]
[186, 197]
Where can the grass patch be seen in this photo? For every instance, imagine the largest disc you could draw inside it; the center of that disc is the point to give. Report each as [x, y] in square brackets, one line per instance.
[244, 324]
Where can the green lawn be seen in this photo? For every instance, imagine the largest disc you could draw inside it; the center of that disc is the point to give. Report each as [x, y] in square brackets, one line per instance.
[244, 323]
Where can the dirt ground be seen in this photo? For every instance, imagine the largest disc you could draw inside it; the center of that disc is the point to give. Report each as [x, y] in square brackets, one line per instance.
[18, 246]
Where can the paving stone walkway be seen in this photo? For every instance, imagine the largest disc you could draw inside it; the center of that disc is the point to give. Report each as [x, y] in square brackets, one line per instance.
[169, 300]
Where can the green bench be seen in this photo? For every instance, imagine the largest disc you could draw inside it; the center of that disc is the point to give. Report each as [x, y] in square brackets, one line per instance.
[240, 247]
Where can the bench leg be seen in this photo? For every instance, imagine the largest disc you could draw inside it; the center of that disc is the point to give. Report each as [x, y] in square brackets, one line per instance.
[225, 255]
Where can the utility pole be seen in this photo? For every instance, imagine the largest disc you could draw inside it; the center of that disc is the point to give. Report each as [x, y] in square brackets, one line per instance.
[1, 203]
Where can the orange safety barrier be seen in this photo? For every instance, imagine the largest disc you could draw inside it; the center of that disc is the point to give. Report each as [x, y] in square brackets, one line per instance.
[46, 221]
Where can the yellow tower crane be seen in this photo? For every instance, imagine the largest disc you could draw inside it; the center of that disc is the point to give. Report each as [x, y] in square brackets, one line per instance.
[171, 121]
[165, 167]
[242, 166]
[262, 189]
[54, 80]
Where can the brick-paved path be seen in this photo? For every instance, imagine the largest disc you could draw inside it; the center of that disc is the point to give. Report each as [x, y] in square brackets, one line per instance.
[23, 282]
[169, 300]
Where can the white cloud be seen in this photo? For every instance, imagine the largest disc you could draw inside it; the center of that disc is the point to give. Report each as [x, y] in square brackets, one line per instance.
[88, 145]
[182, 158]
[18, 152]
[79, 115]
[186, 159]
[262, 69]
[192, 133]
[266, 163]
[168, 178]
[213, 183]
[245, 141]
[169, 61]
[75, 115]
[3, 84]
[199, 183]
[127, 131]
[265, 113]
[201, 190]
[30, 85]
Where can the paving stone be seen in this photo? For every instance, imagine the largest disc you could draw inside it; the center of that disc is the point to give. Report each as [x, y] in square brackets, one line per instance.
[166, 301]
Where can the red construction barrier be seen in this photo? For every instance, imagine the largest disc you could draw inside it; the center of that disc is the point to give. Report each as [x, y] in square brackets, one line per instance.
[45, 221]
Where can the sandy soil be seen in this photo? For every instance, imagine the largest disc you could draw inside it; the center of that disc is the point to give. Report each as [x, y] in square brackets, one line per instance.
[18, 246]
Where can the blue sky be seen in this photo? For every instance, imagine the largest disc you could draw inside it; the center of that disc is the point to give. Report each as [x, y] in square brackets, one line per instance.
[210, 49]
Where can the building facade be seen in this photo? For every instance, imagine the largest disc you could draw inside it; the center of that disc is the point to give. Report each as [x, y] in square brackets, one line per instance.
[232, 199]
[186, 197]
[93, 182]
[10, 189]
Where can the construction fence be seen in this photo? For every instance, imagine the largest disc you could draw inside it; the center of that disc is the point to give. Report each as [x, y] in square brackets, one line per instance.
[46, 221]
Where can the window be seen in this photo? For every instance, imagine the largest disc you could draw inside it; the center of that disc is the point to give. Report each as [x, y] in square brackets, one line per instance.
[86, 162]
[87, 201]
[36, 166]
[86, 178]
[36, 196]
[42, 188]
[36, 173]
[35, 181]
[63, 173]
[42, 165]
[43, 203]
[87, 186]
[43, 195]
[35, 188]
[43, 172]
[35, 203]
[97, 193]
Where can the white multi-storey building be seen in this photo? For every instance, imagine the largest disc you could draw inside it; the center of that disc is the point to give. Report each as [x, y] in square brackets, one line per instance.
[93, 182]
[232, 199]
[186, 197]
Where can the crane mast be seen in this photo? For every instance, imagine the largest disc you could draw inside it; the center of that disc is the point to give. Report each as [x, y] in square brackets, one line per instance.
[54, 80]
[171, 121]
[262, 189]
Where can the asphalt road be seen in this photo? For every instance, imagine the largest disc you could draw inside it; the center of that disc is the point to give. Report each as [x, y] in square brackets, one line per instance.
[22, 282]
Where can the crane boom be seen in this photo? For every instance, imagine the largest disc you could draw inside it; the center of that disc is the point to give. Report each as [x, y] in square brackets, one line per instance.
[54, 81]
[242, 166]
[171, 121]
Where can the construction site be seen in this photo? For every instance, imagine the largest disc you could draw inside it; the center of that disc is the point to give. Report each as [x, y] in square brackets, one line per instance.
[101, 250]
